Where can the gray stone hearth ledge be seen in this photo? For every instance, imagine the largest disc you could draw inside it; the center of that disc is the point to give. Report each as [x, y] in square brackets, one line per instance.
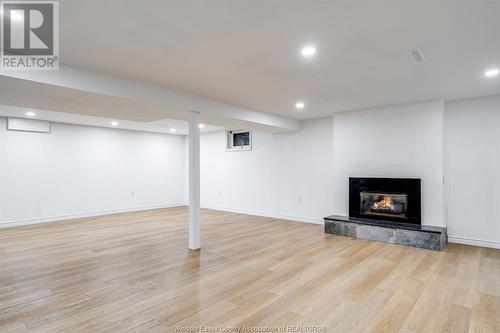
[422, 236]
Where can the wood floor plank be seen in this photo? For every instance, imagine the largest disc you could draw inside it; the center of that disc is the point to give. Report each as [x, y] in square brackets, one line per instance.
[485, 314]
[397, 308]
[132, 272]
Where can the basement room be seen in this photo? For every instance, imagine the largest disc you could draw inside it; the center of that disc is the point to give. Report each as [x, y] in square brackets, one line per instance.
[237, 166]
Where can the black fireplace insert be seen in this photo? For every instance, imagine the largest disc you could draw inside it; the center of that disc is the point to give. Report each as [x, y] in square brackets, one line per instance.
[386, 199]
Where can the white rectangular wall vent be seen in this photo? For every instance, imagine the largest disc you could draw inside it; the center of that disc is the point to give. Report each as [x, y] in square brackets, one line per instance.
[28, 125]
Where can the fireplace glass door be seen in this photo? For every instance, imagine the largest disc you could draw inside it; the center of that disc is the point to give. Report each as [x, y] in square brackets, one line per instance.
[383, 204]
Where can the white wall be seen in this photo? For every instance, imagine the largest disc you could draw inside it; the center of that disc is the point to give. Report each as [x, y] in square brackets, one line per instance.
[316, 162]
[270, 179]
[472, 170]
[397, 141]
[78, 171]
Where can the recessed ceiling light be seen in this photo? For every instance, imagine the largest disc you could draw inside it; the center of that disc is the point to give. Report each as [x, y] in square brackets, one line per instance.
[308, 51]
[300, 105]
[173, 130]
[30, 114]
[201, 125]
[15, 15]
[114, 123]
[492, 72]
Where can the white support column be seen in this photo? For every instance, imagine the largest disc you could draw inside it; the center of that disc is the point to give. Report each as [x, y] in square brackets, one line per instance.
[194, 181]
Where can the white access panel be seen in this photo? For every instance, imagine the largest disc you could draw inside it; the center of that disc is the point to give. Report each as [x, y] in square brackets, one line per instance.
[28, 125]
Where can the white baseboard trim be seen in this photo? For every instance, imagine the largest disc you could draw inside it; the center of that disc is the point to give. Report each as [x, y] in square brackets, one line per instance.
[83, 215]
[473, 241]
[313, 220]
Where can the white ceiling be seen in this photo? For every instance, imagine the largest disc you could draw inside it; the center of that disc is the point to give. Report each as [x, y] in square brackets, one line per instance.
[247, 53]
[70, 95]
[29, 94]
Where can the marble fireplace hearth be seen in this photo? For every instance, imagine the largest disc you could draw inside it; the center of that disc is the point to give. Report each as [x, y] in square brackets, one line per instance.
[426, 237]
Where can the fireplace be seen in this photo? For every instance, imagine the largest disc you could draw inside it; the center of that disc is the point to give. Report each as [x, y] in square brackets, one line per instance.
[386, 199]
[386, 210]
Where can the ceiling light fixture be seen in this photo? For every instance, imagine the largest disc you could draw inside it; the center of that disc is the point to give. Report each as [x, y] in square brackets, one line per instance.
[201, 126]
[114, 123]
[15, 15]
[300, 105]
[492, 72]
[173, 130]
[30, 114]
[308, 51]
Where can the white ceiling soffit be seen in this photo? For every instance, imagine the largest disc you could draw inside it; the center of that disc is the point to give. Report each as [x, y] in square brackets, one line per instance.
[164, 126]
[71, 90]
[247, 53]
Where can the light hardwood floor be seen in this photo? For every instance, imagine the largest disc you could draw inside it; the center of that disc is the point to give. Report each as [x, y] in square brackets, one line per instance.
[133, 272]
